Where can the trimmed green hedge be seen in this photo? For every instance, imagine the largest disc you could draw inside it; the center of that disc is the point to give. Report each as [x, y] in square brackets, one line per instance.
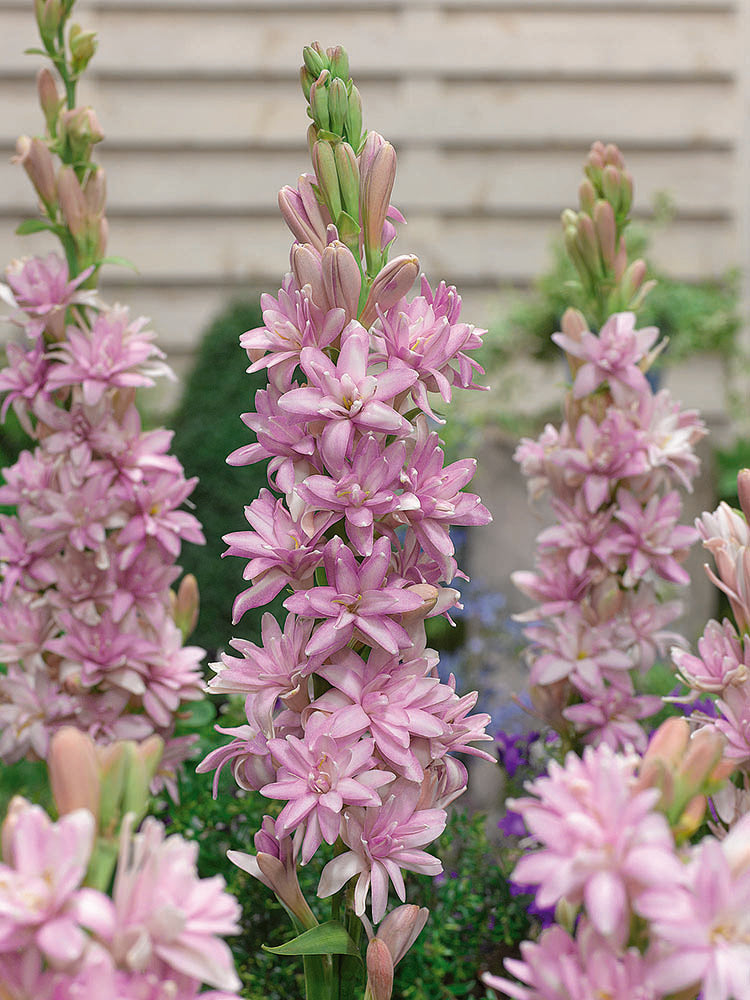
[207, 428]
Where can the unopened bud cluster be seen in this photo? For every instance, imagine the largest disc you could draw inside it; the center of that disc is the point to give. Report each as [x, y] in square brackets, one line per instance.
[595, 240]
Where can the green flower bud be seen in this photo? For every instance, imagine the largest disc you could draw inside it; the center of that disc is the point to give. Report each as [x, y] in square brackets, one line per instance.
[315, 59]
[306, 80]
[82, 47]
[49, 14]
[606, 232]
[611, 178]
[339, 62]
[319, 101]
[587, 196]
[353, 120]
[338, 105]
[328, 181]
[348, 174]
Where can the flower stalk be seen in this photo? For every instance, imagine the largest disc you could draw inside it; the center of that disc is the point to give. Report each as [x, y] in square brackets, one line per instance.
[349, 725]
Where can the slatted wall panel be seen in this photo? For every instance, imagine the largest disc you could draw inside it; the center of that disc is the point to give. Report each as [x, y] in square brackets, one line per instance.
[491, 104]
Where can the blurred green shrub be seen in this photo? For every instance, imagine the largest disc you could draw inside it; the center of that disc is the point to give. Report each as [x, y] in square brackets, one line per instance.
[701, 316]
[207, 428]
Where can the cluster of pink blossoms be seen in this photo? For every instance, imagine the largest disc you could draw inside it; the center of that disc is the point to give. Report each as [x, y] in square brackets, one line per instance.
[656, 919]
[157, 938]
[721, 667]
[612, 470]
[348, 722]
[88, 557]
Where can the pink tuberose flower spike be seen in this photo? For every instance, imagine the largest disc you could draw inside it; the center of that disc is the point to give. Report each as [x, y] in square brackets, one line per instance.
[613, 473]
[87, 559]
[344, 704]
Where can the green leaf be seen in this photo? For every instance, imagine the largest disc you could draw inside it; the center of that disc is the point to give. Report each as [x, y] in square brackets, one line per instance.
[201, 714]
[33, 226]
[120, 262]
[330, 938]
[34, 52]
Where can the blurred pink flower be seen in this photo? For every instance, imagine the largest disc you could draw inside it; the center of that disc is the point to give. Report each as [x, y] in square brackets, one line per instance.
[602, 843]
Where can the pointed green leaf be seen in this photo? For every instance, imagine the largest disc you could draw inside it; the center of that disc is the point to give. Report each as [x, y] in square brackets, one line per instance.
[330, 938]
[34, 52]
[120, 262]
[33, 226]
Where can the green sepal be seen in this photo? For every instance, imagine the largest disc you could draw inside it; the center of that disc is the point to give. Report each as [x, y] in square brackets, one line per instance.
[347, 226]
[35, 226]
[119, 262]
[330, 938]
[327, 136]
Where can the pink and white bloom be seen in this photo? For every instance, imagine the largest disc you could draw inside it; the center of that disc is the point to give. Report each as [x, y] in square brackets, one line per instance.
[359, 598]
[601, 841]
[382, 842]
[167, 920]
[319, 776]
[610, 357]
[702, 928]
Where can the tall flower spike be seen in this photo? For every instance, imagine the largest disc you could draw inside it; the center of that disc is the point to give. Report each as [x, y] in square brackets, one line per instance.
[611, 471]
[88, 556]
[344, 704]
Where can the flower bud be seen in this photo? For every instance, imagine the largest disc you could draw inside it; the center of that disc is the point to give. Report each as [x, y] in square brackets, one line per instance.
[611, 185]
[379, 971]
[353, 121]
[743, 491]
[142, 761]
[338, 62]
[327, 177]
[74, 771]
[377, 172]
[587, 196]
[588, 245]
[307, 269]
[36, 159]
[319, 101]
[595, 160]
[401, 928]
[49, 98]
[82, 47]
[338, 105]
[280, 877]
[302, 214]
[633, 279]
[341, 278]
[390, 285]
[347, 169]
[606, 231]
[95, 192]
[101, 238]
[613, 156]
[315, 59]
[72, 201]
[48, 16]
[80, 129]
[185, 605]
[306, 80]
